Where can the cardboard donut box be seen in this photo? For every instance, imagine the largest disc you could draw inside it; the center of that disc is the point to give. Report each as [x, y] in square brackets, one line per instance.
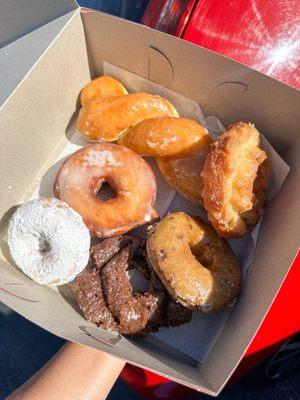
[48, 51]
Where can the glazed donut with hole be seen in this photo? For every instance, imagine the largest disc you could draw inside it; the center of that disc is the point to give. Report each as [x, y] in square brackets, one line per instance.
[82, 175]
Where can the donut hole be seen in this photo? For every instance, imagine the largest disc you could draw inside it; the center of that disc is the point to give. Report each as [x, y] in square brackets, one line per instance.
[106, 192]
[203, 253]
[44, 246]
[138, 282]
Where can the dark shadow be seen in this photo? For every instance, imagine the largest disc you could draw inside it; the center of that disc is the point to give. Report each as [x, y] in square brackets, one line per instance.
[24, 348]
[94, 331]
[153, 346]
[3, 228]
[67, 294]
[106, 192]
[71, 132]
[100, 335]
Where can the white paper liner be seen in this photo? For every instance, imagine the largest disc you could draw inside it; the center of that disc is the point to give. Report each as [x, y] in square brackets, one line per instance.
[197, 338]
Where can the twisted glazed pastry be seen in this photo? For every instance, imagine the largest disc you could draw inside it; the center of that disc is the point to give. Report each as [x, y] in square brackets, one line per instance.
[101, 86]
[107, 110]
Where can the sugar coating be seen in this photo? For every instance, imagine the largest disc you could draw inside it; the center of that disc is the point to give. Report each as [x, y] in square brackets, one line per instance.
[49, 241]
[168, 140]
[101, 159]
[163, 144]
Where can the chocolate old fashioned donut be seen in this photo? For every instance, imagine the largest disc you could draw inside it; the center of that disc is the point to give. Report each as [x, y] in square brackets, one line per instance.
[107, 298]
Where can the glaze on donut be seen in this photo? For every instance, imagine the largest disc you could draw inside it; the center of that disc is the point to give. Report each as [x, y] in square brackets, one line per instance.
[232, 198]
[197, 267]
[102, 86]
[184, 174]
[82, 175]
[165, 137]
[104, 118]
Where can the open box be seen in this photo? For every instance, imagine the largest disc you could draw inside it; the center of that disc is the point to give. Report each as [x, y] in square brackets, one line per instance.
[70, 46]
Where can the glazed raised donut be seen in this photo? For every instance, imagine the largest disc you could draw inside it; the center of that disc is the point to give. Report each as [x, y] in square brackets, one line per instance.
[104, 118]
[197, 267]
[48, 241]
[165, 137]
[231, 197]
[81, 176]
[102, 86]
[184, 174]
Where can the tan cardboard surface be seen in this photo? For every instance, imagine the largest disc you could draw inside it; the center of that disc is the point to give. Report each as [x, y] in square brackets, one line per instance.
[33, 126]
[34, 119]
[197, 338]
[18, 57]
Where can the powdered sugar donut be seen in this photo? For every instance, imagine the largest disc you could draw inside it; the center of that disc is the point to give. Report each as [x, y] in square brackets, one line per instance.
[49, 241]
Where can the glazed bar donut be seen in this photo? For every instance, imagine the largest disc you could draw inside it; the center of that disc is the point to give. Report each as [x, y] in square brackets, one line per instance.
[165, 137]
[101, 86]
[184, 174]
[104, 118]
[197, 267]
[232, 198]
[81, 176]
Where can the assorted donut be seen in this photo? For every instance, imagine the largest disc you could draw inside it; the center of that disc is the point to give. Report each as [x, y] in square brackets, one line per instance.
[122, 282]
[82, 175]
[235, 175]
[107, 297]
[166, 137]
[105, 117]
[196, 266]
[49, 241]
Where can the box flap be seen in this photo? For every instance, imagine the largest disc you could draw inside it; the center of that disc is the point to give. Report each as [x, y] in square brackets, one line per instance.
[18, 17]
[32, 97]
[22, 53]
